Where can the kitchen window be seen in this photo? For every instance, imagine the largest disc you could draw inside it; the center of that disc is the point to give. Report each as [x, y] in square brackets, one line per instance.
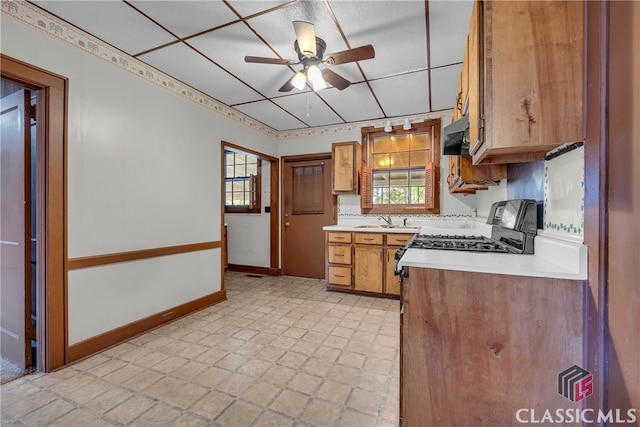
[400, 173]
[242, 182]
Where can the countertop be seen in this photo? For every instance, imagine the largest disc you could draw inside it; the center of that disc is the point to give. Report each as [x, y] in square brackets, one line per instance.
[553, 257]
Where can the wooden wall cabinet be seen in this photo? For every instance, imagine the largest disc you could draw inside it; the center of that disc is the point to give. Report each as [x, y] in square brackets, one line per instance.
[477, 347]
[464, 177]
[347, 161]
[526, 76]
[363, 262]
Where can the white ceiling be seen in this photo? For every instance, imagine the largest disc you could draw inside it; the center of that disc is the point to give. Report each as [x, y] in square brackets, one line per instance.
[419, 47]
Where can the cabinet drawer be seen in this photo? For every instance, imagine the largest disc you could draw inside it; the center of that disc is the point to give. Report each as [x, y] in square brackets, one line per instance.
[339, 254]
[398, 239]
[339, 276]
[368, 238]
[338, 237]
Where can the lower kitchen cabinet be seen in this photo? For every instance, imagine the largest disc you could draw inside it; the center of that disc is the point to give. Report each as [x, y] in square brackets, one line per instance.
[476, 347]
[363, 262]
[394, 242]
[338, 254]
[368, 268]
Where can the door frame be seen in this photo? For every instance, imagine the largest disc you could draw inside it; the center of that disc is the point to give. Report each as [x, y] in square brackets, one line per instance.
[51, 271]
[274, 218]
[298, 158]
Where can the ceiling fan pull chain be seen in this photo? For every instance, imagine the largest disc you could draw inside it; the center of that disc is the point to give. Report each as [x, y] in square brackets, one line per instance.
[308, 102]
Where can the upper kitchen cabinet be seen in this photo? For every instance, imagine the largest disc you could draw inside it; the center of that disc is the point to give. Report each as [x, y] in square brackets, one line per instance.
[347, 159]
[525, 79]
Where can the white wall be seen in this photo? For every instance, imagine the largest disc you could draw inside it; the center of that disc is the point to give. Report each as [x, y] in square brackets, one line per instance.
[144, 171]
[248, 234]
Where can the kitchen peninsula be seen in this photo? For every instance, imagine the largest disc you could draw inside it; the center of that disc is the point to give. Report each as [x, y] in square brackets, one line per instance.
[484, 335]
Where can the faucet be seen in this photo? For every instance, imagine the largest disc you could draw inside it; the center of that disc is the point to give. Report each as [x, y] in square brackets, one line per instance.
[387, 219]
[404, 222]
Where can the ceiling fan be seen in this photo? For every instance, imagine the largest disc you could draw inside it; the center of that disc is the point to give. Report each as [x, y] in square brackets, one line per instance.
[310, 50]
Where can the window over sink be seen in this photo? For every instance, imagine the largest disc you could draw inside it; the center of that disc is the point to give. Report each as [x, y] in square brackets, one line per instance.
[401, 169]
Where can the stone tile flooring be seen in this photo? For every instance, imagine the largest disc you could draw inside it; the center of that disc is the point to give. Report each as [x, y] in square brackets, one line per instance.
[281, 351]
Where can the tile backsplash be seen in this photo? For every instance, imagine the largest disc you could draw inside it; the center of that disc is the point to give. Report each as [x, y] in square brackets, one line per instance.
[564, 193]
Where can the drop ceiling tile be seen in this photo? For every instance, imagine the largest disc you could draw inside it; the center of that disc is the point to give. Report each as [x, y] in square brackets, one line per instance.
[309, 108]
[277, 27]
[228, 46]
[112, 21]
[185, 18]
[403, 95]
[353, 104]
[444, 84]
[448, 28]
[247, 8]
[188, 66]
[396, 29]
[271, 115]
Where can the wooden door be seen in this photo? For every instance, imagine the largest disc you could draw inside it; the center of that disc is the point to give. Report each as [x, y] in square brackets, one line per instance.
[308, 206]
[15, 291]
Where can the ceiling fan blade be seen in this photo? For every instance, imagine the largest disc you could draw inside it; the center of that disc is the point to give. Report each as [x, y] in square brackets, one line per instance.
[335, 79]
[351, 55]
[306, 37]
[288, 86]
[261, 60]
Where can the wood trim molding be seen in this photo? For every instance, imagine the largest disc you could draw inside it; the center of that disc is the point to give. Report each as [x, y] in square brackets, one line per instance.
[108, 339]
[93, 261]
[265, 271]
[274, 202]
[51, 116]
[235, 147]
[595, 198]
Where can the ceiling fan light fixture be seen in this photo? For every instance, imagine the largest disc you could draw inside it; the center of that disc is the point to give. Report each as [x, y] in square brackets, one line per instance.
[315, 77]
[387, 126]
[406, 125]
[299, 80]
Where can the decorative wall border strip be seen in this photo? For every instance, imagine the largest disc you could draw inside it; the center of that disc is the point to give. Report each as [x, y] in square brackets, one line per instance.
[41, 20]
[94, 261]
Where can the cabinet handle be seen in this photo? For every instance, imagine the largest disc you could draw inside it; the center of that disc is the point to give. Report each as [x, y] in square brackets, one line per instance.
[339, 275]
[367, 239]
[339, 238]
[338, 254]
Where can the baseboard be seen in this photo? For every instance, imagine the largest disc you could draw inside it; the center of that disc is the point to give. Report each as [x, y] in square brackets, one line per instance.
[116, 336]
[265, 271]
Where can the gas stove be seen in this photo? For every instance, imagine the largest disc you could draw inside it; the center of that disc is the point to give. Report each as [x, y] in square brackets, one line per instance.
[512, 232]
[458, 243]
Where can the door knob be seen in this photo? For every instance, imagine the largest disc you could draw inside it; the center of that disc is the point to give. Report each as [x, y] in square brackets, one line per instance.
[286, 224]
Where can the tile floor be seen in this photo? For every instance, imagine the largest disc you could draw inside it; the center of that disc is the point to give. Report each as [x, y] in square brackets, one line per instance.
[280, 351]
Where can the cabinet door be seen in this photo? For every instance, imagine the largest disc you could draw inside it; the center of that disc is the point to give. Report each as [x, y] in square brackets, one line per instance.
[368, 265]
[346, 158]
[392, 283]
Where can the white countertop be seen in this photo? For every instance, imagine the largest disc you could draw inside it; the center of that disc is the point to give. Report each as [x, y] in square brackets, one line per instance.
[552, 258]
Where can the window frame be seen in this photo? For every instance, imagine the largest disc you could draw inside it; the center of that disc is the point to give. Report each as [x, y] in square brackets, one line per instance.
[433, 127]
[255, 182]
